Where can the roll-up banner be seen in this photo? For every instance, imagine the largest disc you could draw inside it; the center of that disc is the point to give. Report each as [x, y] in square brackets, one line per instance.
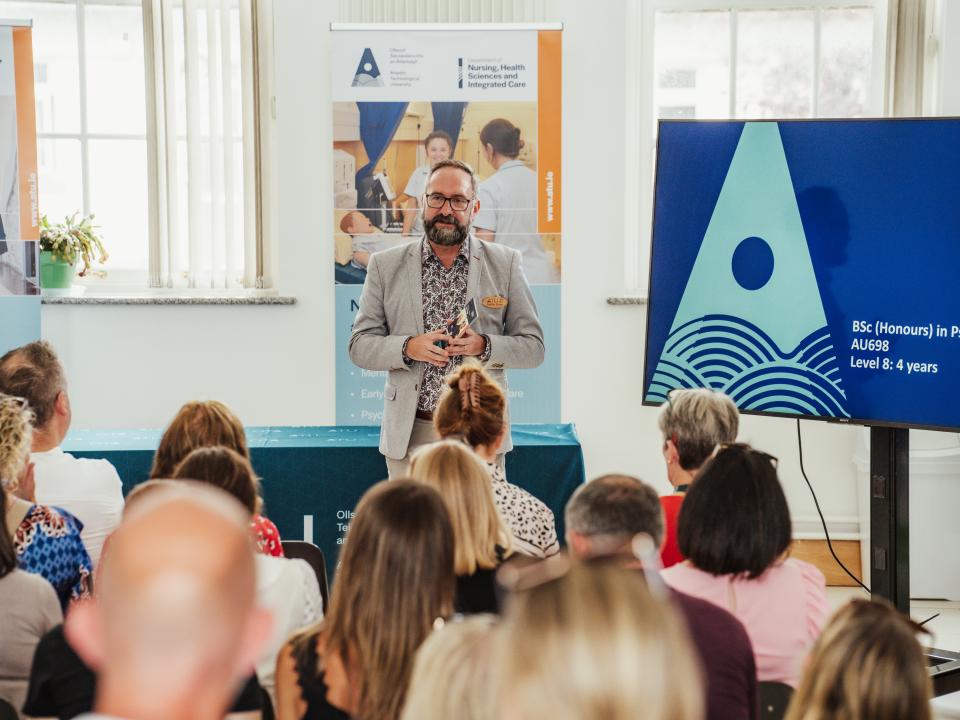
[396, 86]
[19, 215]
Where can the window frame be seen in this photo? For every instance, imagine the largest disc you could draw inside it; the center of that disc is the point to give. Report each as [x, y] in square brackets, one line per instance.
[640, 91]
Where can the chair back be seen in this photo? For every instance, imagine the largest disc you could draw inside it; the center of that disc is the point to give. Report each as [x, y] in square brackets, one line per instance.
[8, 711]
[774, 699]
[301, 550]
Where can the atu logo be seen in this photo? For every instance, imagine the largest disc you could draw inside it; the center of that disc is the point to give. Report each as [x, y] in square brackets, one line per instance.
[368, 74]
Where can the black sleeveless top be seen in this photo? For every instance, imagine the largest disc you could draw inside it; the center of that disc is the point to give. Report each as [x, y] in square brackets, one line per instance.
[313, 688]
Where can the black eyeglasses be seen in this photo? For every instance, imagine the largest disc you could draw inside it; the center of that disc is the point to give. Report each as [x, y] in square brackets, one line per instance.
[458, 203]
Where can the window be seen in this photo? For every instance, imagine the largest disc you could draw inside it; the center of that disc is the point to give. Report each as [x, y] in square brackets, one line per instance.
[143, 120]
[750, 59]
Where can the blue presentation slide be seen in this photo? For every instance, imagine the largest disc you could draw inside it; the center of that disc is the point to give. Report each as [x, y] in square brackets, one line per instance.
[809, 268]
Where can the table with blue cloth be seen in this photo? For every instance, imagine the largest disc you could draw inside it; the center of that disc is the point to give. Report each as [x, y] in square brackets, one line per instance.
[313, 476]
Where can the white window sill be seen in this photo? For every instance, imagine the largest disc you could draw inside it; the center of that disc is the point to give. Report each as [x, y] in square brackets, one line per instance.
[140, 296]
[627, 300]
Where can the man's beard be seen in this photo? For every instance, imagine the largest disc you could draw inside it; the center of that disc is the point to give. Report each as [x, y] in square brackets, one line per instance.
[445, 236]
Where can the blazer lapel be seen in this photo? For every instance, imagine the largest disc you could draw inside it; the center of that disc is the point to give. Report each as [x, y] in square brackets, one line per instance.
[475, 271]
[415, 282]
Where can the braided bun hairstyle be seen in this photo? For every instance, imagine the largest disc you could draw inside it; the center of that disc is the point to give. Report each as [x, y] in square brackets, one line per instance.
[472, 405]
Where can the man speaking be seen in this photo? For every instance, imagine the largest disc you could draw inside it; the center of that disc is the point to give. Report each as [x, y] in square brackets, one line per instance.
[412, 293]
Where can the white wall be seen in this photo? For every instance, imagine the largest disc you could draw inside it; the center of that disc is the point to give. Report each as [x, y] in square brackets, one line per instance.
[133, 366]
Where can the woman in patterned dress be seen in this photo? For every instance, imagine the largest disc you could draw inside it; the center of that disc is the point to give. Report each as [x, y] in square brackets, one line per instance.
[46, 539]
[210, 423]
[472, 408]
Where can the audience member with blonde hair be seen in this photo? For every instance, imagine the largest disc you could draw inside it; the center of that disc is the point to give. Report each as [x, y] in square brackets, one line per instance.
[46, 539]
[583, 641]
[174, 627]
[867, 665]
[481, 540]
[473, 408]
[693, 423]
[453, 673]
[29, 608]
[735, 531]
[287, 587]
[209, 423]
[395, 579]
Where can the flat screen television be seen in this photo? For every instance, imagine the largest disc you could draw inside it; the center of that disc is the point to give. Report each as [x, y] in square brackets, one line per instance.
[809, 268]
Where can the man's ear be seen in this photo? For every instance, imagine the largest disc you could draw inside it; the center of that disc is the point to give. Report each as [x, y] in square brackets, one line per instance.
[256, 637]
[62, 404]
[578, 543]
[82, 629]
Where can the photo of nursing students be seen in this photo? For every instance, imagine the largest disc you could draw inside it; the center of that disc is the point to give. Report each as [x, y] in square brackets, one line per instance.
[383, 154]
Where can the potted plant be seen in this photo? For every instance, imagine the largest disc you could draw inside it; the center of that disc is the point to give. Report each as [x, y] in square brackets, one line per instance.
[64, 244]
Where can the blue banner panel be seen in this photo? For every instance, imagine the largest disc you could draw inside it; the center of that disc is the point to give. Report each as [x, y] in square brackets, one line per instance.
[534, 395]
[19, 320]
[809, 268]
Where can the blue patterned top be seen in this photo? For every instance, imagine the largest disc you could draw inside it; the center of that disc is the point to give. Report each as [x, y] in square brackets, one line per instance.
[48, 544]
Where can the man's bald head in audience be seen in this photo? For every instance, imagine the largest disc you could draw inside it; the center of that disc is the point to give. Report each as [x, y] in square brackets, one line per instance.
[174, 626]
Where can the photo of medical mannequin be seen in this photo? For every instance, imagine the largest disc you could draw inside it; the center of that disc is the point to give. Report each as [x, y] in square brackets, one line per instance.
[508, 201]
[366, 237]
[439, 146]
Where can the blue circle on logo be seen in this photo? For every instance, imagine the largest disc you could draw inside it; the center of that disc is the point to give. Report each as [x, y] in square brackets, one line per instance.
[752, 263]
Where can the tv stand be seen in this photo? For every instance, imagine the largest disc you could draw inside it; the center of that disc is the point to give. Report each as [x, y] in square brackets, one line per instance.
[890, 540]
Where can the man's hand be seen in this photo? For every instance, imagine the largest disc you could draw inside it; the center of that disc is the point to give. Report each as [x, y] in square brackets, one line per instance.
[422, 348]
[469, 343]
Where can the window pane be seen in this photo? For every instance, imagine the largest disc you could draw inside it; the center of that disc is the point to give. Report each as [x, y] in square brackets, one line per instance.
[115, 70]
[60, 178]
[118, 197]
[846, 62]
[775, 64]
[55, 58]
[692, 65]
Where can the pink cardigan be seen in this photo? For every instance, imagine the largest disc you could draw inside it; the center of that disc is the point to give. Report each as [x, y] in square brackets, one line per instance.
[783, 610]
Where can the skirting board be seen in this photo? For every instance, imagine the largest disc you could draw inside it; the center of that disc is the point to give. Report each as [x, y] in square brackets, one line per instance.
[817, 553]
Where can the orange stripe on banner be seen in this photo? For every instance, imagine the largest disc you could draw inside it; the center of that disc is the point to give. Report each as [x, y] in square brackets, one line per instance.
[26, 132]
[549, 70]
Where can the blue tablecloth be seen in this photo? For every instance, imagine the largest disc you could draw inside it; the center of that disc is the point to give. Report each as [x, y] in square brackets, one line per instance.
[313, 476]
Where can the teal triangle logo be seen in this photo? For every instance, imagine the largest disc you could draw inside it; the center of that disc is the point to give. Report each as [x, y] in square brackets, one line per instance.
[751, 322]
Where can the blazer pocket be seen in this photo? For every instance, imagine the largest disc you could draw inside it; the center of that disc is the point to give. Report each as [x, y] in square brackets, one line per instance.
[390, 392]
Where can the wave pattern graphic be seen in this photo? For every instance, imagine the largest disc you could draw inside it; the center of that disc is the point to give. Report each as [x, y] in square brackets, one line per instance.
[734, 356]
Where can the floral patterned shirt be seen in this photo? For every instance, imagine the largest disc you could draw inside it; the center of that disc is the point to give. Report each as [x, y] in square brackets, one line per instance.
[47, 542]
[444, 295]
[266, 537]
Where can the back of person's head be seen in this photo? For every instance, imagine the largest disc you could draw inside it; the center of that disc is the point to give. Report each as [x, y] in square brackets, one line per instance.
[16, 433]
[174, 624]
[503, 136]
[472, 406]
[34, 373]
[609, 511]
[347, 221]
[395, 579]
[696, 421]
[8, 554]
[463, 482]
[224, 468]
[735, 518]
[866, 665]
[198, 424]
[453, 673]
[591, 641]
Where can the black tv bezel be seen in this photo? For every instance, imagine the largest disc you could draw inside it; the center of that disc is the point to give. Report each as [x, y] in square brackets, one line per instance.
[866, 422]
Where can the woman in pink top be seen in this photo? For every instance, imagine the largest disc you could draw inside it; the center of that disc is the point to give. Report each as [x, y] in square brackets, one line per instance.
[735, 531]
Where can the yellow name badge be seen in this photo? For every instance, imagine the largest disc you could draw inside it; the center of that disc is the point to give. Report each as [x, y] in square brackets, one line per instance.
[494, 302]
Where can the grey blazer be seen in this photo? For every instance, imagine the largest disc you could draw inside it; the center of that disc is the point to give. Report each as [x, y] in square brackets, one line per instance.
[391, 310]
